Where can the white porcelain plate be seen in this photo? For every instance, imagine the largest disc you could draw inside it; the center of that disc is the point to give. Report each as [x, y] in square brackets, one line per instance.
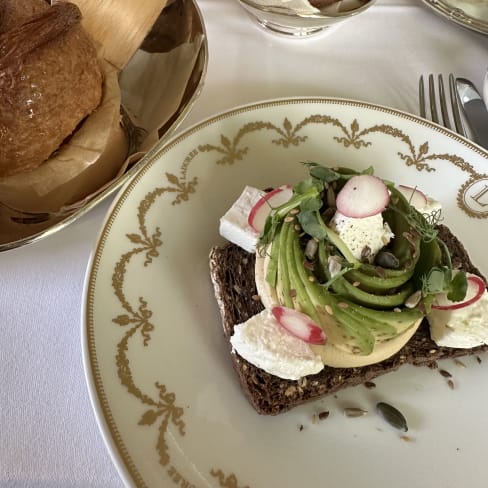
[158, 368]
[472, 14]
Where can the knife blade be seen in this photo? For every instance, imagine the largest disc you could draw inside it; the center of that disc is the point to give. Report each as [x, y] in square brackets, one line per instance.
[474, 109]
[485, 88]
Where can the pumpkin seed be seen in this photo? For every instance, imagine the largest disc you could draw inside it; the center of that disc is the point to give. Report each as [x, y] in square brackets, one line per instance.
[392, 415]
[387, 260]
[323, 415]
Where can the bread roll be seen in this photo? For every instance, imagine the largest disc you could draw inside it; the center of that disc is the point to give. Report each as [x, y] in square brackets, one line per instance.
[14, 12]
[50, 80]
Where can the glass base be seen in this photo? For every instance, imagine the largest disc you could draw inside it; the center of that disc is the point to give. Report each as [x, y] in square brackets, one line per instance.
[289, 31]
[286, 22]
[291, 26]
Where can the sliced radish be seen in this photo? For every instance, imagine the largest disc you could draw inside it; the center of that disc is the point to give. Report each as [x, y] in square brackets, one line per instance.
[263, 207]
[363, 196]
[414, 196]
[476, 288]
[299, 325]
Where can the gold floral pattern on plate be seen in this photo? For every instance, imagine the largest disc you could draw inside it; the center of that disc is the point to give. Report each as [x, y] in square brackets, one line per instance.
[153, 249]
[232, 149]
[229, 481]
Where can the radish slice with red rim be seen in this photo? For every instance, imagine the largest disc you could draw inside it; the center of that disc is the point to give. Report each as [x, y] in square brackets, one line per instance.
[362, 196]
[413, 195]
[265, 205]
[299, 325]
[476, 288]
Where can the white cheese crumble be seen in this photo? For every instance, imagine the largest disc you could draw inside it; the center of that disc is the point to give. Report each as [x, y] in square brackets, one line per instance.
[234, 226]
[357, 233]
[265, 343]
[431, 208]
[463, 327]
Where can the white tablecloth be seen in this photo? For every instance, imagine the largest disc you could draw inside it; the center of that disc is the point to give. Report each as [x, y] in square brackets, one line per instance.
[48, 434]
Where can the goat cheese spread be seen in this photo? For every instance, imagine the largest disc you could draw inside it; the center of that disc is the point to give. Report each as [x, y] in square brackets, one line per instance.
[362, 233]
[234, 225]
[463, 327]
[266, 344]
[431, 208]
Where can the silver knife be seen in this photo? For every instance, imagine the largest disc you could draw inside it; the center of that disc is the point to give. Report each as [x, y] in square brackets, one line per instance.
[475, 111]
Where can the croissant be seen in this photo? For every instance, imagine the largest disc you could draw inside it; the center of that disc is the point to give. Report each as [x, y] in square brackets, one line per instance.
[50, 80]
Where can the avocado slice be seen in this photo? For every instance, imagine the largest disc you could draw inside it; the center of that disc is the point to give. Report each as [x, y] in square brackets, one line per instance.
[360, 304]
[359, 327]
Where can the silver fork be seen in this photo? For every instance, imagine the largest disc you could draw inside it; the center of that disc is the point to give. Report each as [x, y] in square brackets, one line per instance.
[442, 100]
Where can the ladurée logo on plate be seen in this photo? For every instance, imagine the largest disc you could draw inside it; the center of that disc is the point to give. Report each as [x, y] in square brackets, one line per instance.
[474, 195]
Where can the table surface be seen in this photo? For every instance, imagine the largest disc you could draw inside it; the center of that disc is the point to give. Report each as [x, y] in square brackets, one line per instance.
[48, 433]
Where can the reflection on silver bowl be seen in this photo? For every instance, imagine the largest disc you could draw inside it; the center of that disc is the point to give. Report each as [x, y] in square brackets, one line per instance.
[19, 227]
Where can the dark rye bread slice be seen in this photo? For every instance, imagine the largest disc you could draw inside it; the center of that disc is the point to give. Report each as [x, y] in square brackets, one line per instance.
[232, 273]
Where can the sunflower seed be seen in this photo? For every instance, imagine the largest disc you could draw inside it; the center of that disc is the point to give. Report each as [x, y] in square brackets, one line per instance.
[413, 300]
[331, 197]
[334, 265]
[392, 415]
[459, 363]
[365, 253]
[354, 412]
[311, 248]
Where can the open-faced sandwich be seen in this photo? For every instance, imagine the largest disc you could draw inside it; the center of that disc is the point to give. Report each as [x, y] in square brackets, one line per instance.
[337, 280]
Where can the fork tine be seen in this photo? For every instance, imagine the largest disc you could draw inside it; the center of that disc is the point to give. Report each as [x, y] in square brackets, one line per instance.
[443, 103]
[421, 96]
[442, 99]
[433, 104]
[455, 106]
